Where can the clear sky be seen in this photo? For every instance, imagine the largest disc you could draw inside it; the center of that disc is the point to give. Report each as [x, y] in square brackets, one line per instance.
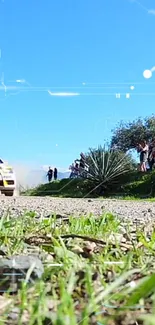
[59, 45]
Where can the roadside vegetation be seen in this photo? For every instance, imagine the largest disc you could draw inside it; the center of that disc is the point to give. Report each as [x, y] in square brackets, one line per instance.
[107, 170]
[112, 169]
[133, 185]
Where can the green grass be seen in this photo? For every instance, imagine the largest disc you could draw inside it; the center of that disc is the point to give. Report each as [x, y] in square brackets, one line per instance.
[133, 185]
[130, 198]
[110, 282]
[133, 198]
[63, 188]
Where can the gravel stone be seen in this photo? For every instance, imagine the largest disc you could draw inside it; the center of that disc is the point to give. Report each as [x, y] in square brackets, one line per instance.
[134, 211]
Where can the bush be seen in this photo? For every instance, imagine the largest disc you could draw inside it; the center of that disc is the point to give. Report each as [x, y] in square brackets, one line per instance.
[143, 185]
[131, 184]
[64, 188]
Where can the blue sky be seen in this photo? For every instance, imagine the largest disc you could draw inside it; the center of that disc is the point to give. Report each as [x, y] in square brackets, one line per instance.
[59, 45]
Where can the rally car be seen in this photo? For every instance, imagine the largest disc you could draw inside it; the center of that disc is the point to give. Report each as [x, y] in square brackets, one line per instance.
[7, 179]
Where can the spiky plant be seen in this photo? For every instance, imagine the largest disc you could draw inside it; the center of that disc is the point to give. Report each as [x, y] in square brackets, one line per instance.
[107, 166]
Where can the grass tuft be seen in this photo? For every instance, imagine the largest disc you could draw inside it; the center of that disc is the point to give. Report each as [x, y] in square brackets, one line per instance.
[96, 271]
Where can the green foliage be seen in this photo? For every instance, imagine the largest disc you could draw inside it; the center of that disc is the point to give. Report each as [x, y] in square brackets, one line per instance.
[141, 186]
[63, 188]
[127, 135]
[142, 290]
[106, 167]
[132, 184]
[108, 170]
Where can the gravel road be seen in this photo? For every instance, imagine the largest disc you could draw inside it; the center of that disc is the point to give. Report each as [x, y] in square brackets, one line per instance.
[142, 212]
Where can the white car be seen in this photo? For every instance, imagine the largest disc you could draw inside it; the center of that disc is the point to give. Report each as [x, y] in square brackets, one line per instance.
[7, 179]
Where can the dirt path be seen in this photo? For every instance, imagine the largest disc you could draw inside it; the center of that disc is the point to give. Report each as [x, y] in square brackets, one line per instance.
[138, 211]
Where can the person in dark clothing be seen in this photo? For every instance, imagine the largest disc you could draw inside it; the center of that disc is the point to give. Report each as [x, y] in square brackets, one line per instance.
[71, 167]
[76, 169]
[82, 164]
[151, 160]
[82, 160]
[143, 149]
[50, 174]
[55, 174]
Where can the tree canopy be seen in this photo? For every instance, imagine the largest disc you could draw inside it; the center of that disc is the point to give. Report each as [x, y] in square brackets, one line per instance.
[127, 135]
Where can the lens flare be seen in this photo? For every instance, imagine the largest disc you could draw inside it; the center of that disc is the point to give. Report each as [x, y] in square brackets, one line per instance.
[147, 74]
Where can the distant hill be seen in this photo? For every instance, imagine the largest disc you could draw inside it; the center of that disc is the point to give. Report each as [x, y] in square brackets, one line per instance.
[63, 175]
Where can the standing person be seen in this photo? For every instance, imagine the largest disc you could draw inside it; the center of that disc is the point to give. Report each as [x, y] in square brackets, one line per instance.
[76, 169]
[55, 174]
[72, 171]
[82, 160]
[143, 149]
[50, 174]
[152, 154]
[82, 164]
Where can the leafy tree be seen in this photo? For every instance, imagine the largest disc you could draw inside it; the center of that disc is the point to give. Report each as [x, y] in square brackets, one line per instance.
[127, 135]
[106, 167]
